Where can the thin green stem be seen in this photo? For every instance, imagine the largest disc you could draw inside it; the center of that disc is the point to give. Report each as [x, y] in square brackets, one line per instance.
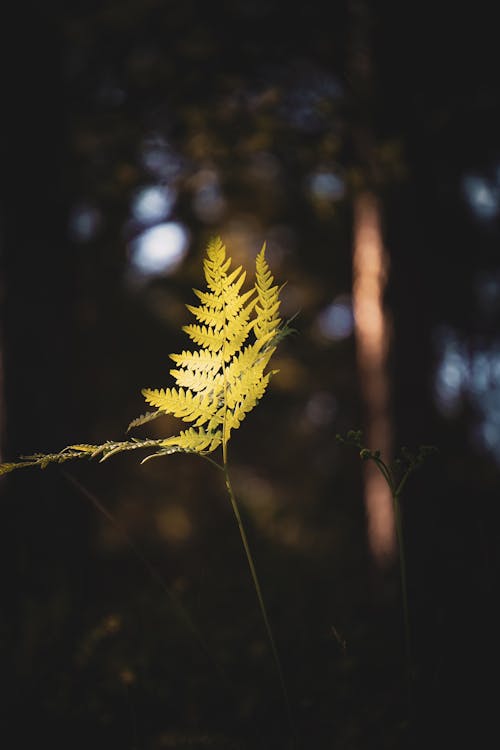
[211, 461]
[402, 483]
[386, 473]
[248, 553]
[396, 492]
[258, 591]
[404, 596]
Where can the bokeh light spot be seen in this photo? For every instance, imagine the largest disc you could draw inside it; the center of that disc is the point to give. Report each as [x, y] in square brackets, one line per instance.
[159, 250]
[159, 158]
[153, 203]
[84, 222]
[482, 196]
[336, 321]
[470, 377]
[326, 186]
[321, 408]
[451, 374]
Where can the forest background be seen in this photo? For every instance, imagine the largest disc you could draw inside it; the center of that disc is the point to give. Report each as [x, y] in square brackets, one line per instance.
[132, 133]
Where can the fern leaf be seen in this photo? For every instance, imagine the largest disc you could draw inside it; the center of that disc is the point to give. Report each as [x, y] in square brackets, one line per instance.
[244, 384]
[251, 358]
[216, 265]
[7, 467]
[201, 360]
[236, 278]
[205, 337]
[195, 440]
[245, 398]
[267, 319]
[219, 383]
[216, 319]
[72, 452]
[236, 337]
[149, 416]
[204, 381]
[224, 379]
[209, 299]
[181, 403]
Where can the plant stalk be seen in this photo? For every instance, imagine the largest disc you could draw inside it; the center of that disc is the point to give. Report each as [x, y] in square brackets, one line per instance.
[258, 591]
[404, 596]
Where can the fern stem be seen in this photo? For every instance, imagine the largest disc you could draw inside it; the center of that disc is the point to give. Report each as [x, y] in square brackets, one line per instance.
[260, 597]
[211, 461]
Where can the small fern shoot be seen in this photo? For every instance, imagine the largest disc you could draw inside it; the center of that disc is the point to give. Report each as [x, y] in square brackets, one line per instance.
[216, 384]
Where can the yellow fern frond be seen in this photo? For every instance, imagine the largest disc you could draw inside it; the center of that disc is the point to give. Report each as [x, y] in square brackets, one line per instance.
[7, 467]
[212, 318]
[231, 306]
[205, 336]
[144, 419]
[267, 319]
[244, 398]
[236, 337]
[183, 403]
[195, 440]
[250, 358]
[216, 266]
[204, 381]
[200, 360]
[210, 300]
[73, 452]
[219, 383]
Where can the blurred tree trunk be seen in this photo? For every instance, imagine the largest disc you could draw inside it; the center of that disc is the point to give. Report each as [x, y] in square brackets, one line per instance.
[369, 280]
[372, 340]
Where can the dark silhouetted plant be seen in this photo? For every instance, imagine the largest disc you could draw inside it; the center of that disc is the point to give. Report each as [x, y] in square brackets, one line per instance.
[396, 475]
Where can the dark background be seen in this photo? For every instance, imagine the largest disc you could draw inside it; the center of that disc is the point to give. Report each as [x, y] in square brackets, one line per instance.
[239, 105]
